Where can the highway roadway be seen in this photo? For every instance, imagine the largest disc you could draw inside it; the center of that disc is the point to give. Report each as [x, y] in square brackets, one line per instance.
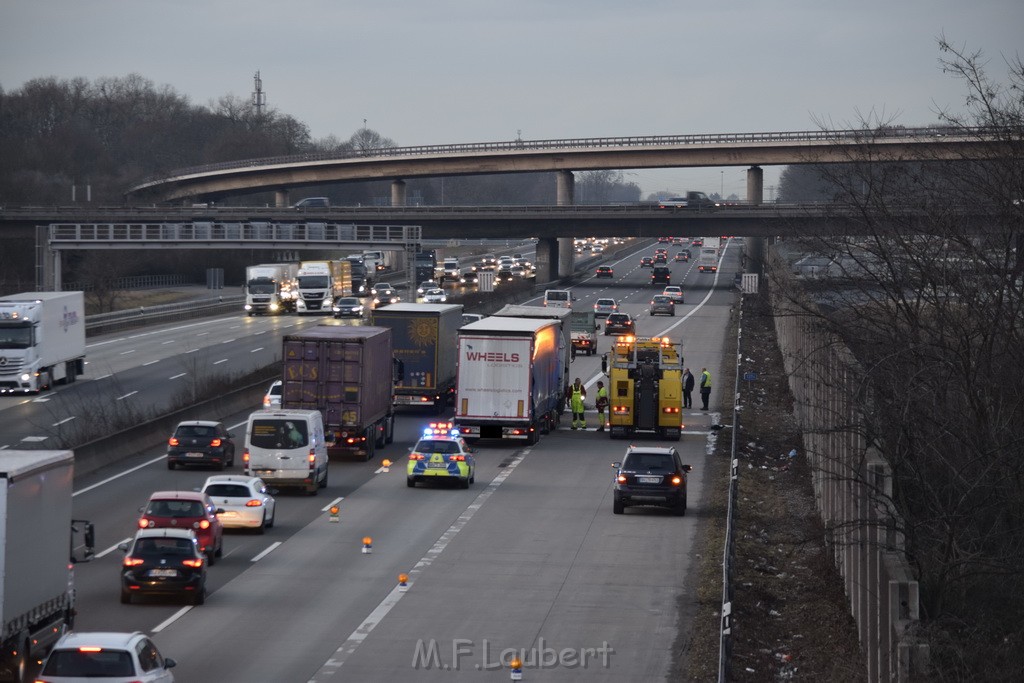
[530, 559]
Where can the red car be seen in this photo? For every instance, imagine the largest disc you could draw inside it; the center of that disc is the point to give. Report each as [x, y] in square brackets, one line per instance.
[186, 510]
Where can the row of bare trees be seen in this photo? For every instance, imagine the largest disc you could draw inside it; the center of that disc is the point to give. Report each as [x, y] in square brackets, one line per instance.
[929, 297]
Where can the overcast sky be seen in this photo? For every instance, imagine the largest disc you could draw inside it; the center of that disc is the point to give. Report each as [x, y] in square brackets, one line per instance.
[425, 72]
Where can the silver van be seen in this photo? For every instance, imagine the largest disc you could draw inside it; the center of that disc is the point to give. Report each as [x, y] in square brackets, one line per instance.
[287, 448]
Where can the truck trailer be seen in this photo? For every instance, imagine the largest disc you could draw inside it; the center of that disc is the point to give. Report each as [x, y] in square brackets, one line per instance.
[320, 283]
[423, 339]
[348, 374]
[511, 378]
[707, 262]
[42, 340]
[271, 288]
[564, 318]
[37, 553]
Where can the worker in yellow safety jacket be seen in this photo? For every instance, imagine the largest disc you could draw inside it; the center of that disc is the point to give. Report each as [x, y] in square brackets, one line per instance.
[705, 387]
[602, 405]
[574, 397]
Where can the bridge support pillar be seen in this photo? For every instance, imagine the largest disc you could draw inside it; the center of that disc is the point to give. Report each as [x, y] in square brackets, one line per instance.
[565, 195]
[546, 259]
[398, 193]
[753, 247]
[281, 198]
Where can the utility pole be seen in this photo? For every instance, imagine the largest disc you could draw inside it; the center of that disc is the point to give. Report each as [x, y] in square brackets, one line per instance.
[259, 98]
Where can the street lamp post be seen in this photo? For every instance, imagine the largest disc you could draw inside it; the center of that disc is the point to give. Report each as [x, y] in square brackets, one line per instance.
[721, 191]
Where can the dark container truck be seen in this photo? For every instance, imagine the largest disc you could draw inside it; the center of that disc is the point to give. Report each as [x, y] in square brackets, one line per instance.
[37, 548]
[511, 378]
[347, 373]
[423, 338]
[426, 265]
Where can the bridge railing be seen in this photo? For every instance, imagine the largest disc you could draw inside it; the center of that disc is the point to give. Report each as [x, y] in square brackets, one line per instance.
[579, 143]
[210, 231]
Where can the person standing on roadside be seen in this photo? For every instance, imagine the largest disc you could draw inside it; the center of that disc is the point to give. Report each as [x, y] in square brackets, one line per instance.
[602, 405]
[577, 392]
[705, 387]
[688, 383]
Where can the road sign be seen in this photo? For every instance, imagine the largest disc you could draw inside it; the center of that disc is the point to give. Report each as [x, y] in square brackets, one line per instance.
[749, 376]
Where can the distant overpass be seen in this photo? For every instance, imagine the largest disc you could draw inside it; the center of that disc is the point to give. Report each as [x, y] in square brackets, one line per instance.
[280, 174]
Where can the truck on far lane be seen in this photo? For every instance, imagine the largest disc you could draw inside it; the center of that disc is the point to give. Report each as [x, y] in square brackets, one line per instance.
[42, 340]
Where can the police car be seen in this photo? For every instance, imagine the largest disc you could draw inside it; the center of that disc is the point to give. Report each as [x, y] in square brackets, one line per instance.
[441, 453]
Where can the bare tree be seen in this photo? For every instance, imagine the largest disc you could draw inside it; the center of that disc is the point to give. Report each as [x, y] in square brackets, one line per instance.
[927, 295]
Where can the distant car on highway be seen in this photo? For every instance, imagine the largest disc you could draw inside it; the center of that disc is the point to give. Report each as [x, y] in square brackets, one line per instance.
[647, 262]
[435, 296]
[344, 307]
[649, 475]
[243, 502]
[619, 323]
[604, 307]
[165, 561]
[186, 510]
[200, 442]
[674, 292]
[604, 271]
[272, 399]
[663, 305]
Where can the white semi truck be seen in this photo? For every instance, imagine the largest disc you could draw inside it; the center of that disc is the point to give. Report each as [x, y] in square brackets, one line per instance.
[39, 543]
[271, 288]
[42, 340]
[320, 283]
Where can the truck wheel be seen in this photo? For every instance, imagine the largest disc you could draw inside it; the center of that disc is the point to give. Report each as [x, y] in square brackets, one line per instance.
[323, 483]
[126, 597]
[371, 445]
[381, 433]
[617, 507]
[389, 430]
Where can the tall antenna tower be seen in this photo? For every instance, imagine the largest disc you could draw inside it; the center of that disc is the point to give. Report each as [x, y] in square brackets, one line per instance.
[259, 98]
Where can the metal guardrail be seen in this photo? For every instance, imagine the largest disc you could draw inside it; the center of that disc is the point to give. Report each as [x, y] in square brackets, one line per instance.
[853, 135]
[209, 231]
[146, 315]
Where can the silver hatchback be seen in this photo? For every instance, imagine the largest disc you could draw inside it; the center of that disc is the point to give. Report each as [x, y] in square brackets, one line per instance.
[602, 307]
[662, 304]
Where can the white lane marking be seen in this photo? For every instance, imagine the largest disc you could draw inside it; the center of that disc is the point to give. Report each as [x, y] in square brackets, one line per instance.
[169, 341]
[211, 321]
[35, 439]
[229, 341]
[258, 348]
[171, 619]
[162, 458]
[222, 360]
[66, 419]
[103, 376]
[333, 502]
[180, 374]
[130, 393]
[111, 549]
[331, 666]
[125, 353]
[202, 334]
[151, 362]
[192, 350]
[271, 548]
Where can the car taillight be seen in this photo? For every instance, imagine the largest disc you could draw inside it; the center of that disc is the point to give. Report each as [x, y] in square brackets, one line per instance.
[144, 523]
[621, 478]
[90, 649]
[254, 503]
[312, 459]
[670, 409]
[677, 480]
[245, 457]
[215, 443]
[197, 562]
[457, 458]
[415, 456]
[203, 524]
[130, 561]
[266, 401]
[173, 441]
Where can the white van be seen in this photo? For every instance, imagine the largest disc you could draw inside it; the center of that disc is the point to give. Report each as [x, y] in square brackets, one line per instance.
[558, 298]
[287, 448]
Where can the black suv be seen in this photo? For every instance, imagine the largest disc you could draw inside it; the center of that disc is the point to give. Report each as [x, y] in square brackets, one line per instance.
[661, 275]
[163, 562]
[649, 475]
[619, 323]
[200, 442]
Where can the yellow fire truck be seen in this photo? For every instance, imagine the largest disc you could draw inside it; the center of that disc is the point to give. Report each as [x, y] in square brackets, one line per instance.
[645, 393]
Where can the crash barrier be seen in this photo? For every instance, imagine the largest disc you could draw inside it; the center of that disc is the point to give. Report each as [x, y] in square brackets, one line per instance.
[100, 323]
[852, 485]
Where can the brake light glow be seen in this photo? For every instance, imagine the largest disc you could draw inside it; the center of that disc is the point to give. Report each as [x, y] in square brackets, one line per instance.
[458, 458]
[215, 443]
[197, 562]
[670, 409]
[312, 457]
[254, 503]
[90, 649]
[173, 441]
[621, 478]
[620, 410]
[245, 457]
[130, 561]
[677, 480]
[143, 523]
[203, 524]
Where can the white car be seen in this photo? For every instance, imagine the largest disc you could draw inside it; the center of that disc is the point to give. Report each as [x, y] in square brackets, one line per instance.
[674, 292]
[272, 399]
[435, 296]
[106, 656]
[425, 285]
[245, 501]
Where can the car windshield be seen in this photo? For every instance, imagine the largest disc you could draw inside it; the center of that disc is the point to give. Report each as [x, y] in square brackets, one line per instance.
[175, 508]
[433, 446]
[649, 462]
[79, 664]
[348, 301]
[278, 433]
[617, 318]
[228, 491]
[661, 299]
[606, 302]
[195, 431]
[163, 546]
